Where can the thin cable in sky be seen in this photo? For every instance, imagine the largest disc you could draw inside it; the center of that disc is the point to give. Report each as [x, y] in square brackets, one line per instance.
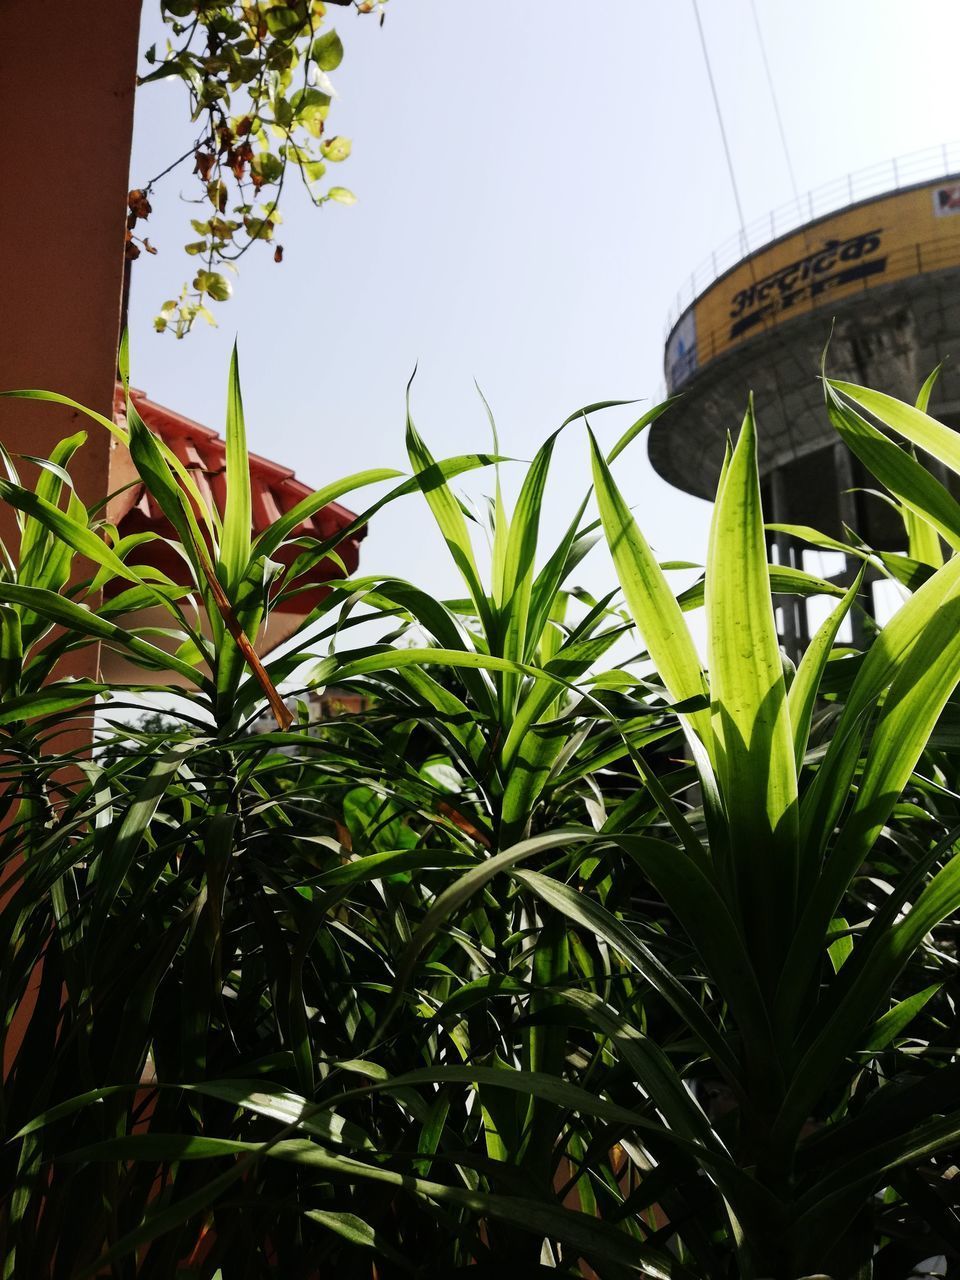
[776, 104]
[723, 132]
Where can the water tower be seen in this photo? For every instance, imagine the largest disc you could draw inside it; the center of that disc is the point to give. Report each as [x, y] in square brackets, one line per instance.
[878, 256]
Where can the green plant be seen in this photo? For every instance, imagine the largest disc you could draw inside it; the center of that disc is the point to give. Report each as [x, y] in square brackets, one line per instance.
[160, 918]
[259, 91]
[794, 1010]
[528, 964]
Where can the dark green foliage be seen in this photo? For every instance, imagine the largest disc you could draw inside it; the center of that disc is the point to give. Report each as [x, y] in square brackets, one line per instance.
[528, 966]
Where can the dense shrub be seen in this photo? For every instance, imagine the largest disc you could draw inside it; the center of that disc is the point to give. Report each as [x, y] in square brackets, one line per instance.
[529, 967]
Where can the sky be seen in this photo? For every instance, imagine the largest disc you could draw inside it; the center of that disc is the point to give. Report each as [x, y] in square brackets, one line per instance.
[534, 183]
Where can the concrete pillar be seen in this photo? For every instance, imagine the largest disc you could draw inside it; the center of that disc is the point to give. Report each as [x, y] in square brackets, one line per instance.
[850, 515]
[792, 632]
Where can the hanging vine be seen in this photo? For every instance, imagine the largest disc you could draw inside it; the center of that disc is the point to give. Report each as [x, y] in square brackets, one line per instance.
[258, 79]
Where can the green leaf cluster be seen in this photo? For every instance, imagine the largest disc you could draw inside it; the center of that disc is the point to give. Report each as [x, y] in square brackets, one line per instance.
[256, 77]
[574, 947]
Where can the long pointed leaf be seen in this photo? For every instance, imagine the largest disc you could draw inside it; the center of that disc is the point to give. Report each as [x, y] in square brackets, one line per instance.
[238, 514]
[755, 756]
[652, 604]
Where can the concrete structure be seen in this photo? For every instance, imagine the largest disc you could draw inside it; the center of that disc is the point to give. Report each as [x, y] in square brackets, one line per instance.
[884, 273]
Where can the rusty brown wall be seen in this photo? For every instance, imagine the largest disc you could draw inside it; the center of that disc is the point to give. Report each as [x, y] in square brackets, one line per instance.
[67, 77]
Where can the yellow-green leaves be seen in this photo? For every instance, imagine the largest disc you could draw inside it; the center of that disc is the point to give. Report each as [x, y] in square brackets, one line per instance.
[66, 527]
[327, 51]
[929, 503]
[755, 760]
[336, 149]
[924, 680]
[516, 583]
[448, 515]
[806, 683]
[911, 423]
[652, 604]
[44, 559]
[259, 78]
[11, 650]
[237, 520]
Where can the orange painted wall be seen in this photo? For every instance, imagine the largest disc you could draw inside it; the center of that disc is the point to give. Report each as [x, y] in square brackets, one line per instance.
[67, 79]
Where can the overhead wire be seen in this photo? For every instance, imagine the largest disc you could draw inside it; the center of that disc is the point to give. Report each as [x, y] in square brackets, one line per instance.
[723, 132]
[776, 105]
[745, 247]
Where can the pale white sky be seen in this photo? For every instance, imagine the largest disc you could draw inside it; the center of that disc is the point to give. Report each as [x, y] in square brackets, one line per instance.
[535, 181]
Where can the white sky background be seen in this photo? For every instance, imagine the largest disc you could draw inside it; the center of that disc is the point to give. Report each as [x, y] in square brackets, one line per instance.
[535, 181]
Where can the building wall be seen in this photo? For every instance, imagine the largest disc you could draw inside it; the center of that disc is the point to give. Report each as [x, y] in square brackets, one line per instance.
[67, 80]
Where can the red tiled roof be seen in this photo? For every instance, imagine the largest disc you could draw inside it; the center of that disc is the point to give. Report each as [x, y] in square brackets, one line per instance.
[274, 490]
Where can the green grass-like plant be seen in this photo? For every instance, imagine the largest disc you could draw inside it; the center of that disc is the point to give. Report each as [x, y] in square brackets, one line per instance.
[529, 967]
